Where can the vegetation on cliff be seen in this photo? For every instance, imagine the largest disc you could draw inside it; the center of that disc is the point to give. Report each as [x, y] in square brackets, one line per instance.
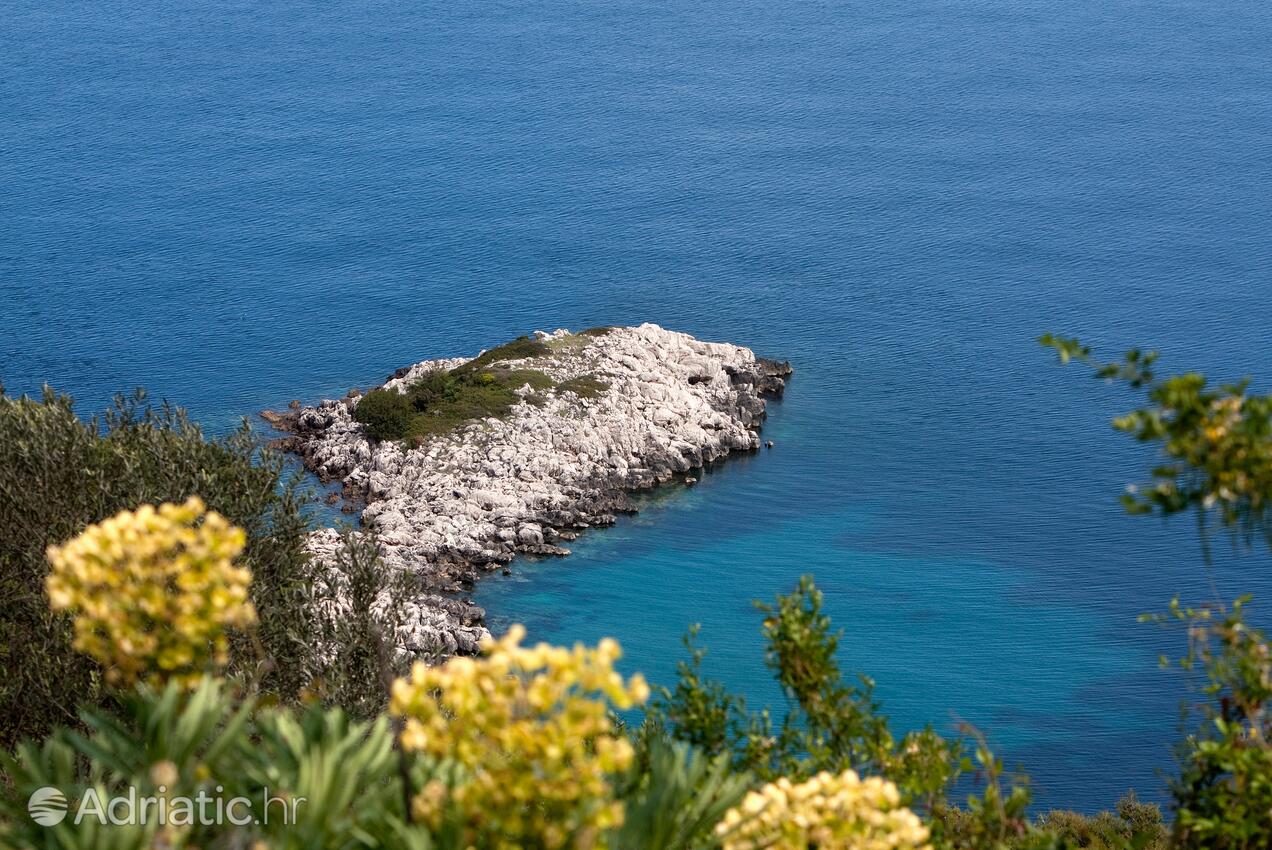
[443, 399]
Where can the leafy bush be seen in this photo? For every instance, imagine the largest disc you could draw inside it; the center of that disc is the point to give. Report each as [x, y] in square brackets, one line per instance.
[462, 398]
[59, 473]
[1217, 445]
[831, 724]
[1108, 830]
[1223, 795]
[517, 378]
[676, 795]
[1217, 442]
[360, 628]
[442, 400]
[336, 783]
[386, 414]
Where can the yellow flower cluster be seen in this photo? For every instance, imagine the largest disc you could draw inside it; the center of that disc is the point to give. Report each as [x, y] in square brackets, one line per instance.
[153, 591]
[829, 812]
[528, 735]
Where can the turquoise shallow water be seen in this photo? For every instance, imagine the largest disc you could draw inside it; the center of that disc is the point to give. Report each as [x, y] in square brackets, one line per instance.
[239, 204]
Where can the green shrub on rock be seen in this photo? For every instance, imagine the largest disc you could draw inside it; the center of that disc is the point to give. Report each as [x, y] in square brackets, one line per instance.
[442, 400]
[387, 414]
[521, 348]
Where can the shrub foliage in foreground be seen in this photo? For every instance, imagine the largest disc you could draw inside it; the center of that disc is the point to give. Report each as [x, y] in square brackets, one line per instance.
[59, 473]
[516, 749]
[1217, 449]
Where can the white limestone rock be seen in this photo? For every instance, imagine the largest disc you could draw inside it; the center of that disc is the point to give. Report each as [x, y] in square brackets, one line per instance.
[472, 499]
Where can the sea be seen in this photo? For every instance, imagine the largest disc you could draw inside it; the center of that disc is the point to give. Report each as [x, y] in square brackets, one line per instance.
[240, 203]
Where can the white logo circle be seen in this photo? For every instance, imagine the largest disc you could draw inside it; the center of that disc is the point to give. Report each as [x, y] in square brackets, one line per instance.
[47, 806]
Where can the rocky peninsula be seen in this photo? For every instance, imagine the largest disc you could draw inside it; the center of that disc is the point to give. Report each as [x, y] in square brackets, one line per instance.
[519, 449]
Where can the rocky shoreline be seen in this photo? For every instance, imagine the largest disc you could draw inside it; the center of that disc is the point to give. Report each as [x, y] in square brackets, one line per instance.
[620, 410]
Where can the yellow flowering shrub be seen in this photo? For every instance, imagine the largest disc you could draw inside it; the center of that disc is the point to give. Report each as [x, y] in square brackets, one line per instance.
[830, 812]
[529, 736]
[153, 591]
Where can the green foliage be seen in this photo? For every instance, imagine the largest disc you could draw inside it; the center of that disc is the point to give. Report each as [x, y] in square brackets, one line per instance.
[995, 820]
[1217, 441]
[521, 377]
[1141, 819]
[59, 474]
[584, 386]
[678, 796]
[1134, 824]
[838, 723]
[831, 724]
[340, 780]
[1218, 446]
[521, 348]
[361, 634]
[462, 398]
[442, 400]
[347, 773]
[701, 712]
[1223, 795]
[387, 414]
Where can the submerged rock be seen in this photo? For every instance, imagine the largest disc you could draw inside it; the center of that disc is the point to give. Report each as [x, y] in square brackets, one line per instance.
[629, 408]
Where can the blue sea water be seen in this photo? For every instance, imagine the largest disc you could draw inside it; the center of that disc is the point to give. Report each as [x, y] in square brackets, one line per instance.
[240, 203]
